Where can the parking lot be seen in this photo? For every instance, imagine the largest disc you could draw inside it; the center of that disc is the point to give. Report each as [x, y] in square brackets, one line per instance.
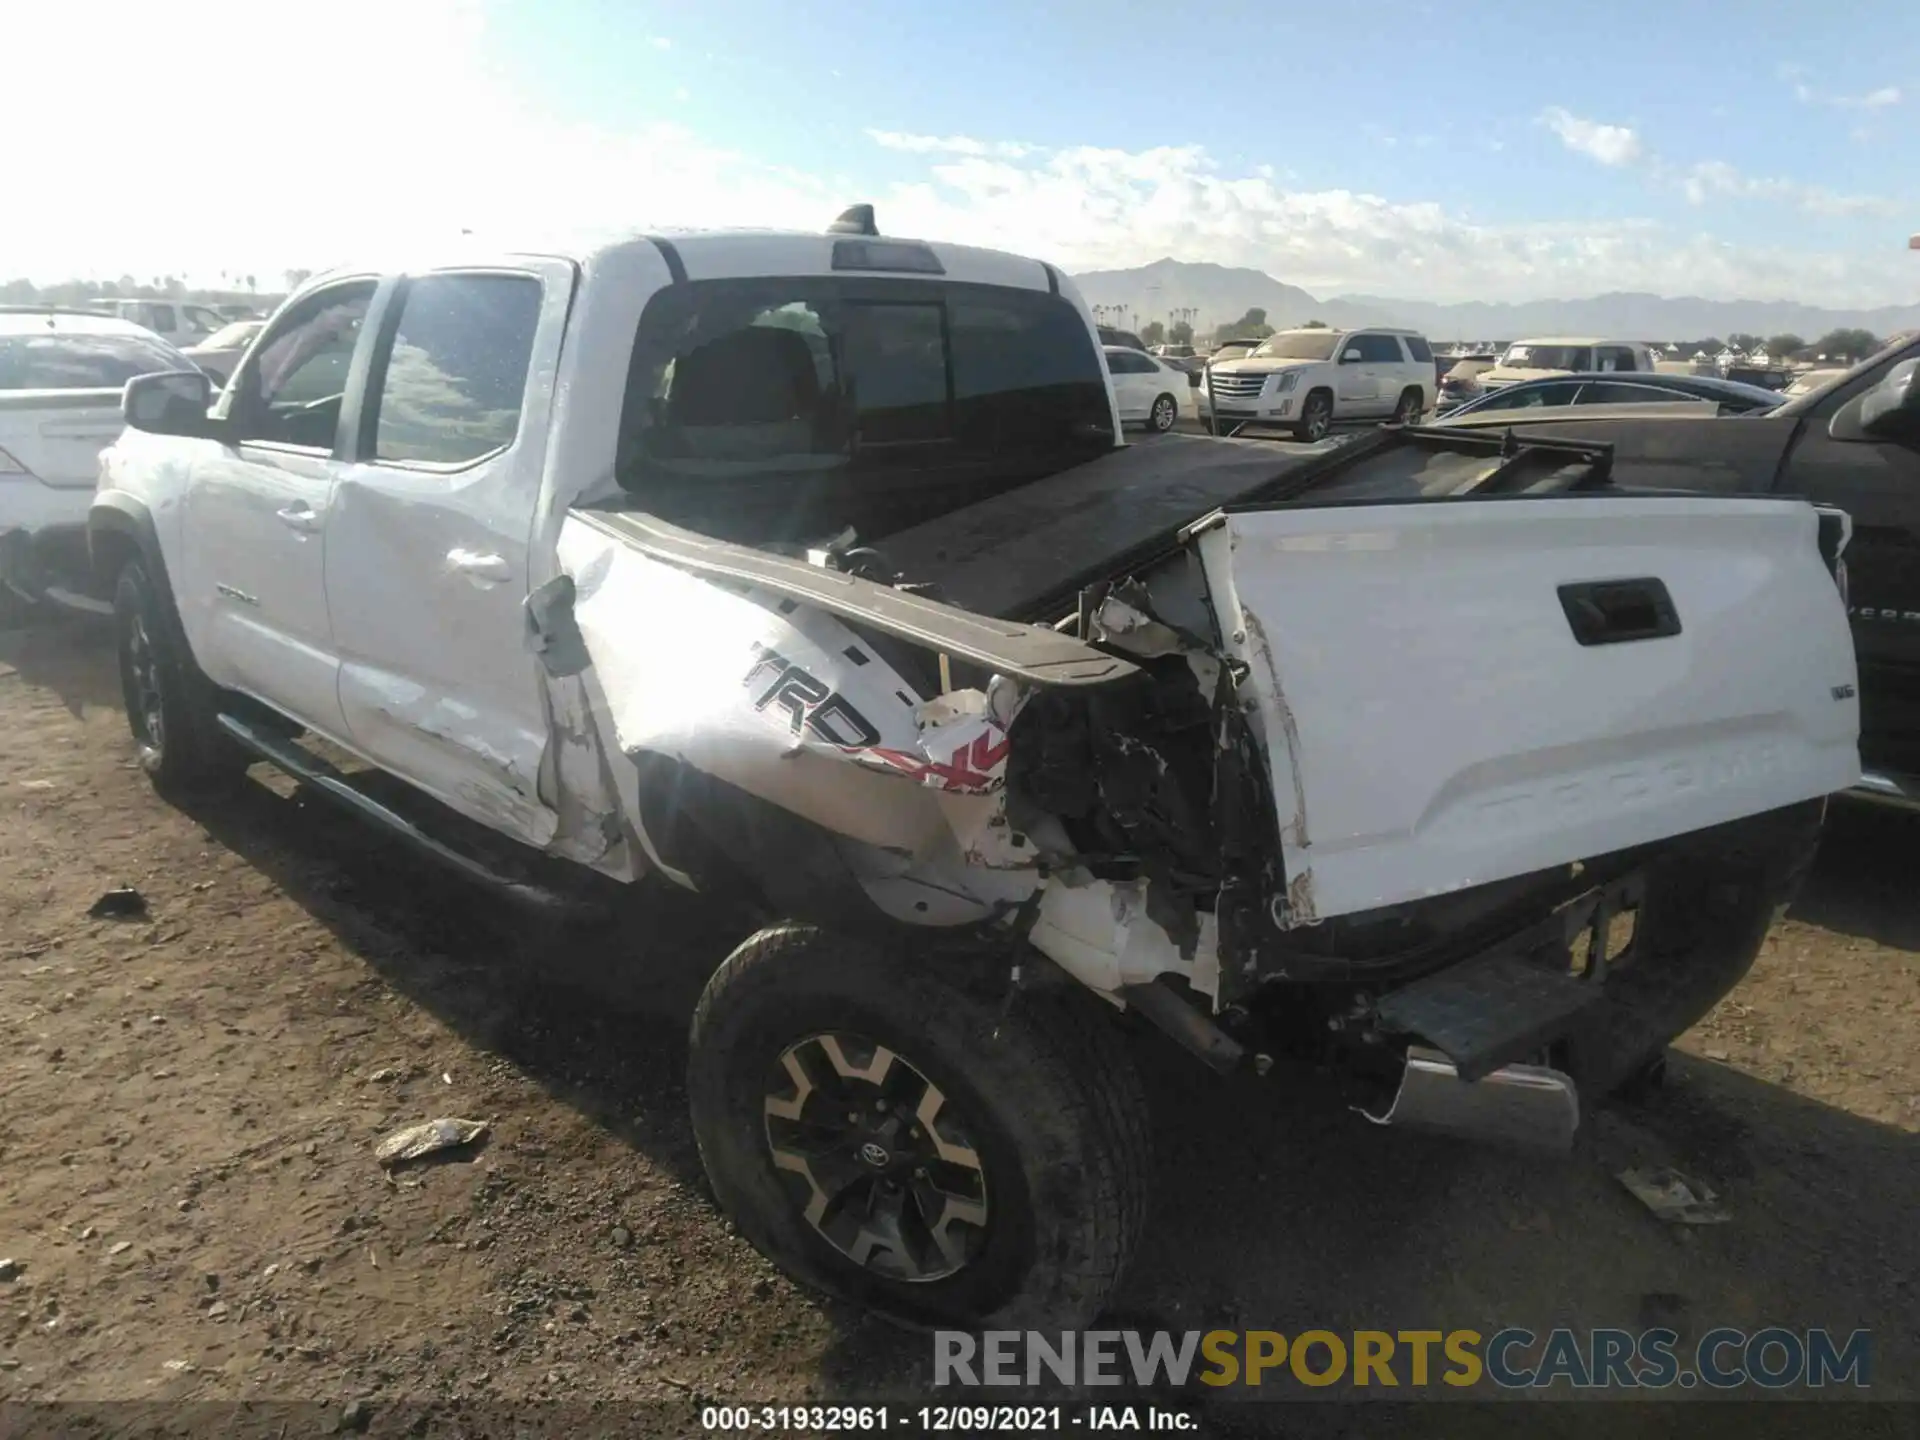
[190, 1200]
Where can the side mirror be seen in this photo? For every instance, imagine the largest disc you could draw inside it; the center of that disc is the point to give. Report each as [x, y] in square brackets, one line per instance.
[1351, 357]
[1887, 411]
[172, 403]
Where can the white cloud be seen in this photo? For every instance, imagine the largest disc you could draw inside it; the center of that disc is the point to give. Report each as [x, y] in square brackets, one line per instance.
[661, 42]
[1096, 209]
[1715, 178]
[1878, 99]
[1608, 144]
[466, 151]
[1873, 100]
[947, 145]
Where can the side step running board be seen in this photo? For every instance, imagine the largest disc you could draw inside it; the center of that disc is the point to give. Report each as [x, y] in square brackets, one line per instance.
[311, 770]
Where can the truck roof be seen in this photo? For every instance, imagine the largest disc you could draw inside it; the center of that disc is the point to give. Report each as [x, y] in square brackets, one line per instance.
[1575, 340]
[721, 254]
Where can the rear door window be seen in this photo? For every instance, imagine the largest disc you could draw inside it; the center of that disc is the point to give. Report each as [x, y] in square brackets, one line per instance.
[1379, 349]
[450, 388]
[81, 362]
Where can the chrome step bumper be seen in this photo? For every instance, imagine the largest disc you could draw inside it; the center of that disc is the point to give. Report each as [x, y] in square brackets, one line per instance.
[1883, 787]
[1523, 1105]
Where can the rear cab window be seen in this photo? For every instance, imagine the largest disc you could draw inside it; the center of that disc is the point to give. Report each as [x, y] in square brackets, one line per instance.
[1419, 349]
[778, 409]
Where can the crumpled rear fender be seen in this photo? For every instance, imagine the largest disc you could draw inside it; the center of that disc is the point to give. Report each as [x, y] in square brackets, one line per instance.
[782, 710]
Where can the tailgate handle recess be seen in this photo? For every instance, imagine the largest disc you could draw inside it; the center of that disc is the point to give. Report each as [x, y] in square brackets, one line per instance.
[1613, 612]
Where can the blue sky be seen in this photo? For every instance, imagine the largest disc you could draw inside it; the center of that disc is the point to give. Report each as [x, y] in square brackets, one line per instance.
[1754, 149]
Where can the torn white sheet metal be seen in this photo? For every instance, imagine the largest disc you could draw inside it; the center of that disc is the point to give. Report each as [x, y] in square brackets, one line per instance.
[1432, 722]
[962, 746]
[1100, 933]
[789, 705]
[766, 698]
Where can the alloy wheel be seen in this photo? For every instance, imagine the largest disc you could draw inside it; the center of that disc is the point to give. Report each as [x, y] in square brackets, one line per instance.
[878, 1159]
[143, 683]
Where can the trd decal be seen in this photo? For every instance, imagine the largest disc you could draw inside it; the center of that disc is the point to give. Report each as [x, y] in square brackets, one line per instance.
[971, 769]
[809, 704]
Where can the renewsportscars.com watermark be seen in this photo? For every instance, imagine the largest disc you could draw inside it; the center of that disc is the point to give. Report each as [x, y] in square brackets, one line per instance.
[1774, 1358]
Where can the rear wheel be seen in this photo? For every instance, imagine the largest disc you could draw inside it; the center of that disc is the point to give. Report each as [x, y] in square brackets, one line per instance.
[171, 705]
[884, 1134]
[1316, 417]
[1412, 402]
[1165, 411]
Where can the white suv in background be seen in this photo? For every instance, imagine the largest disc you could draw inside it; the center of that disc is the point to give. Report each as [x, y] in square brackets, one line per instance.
[1309, 380]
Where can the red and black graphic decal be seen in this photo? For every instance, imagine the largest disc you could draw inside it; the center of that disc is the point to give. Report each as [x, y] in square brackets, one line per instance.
[810, 704]
[968, 770]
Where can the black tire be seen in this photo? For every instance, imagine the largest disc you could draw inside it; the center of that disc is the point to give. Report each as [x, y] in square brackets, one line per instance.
[1412, 403]
[1164, 414]
[171, 705]
[1710, 900]
[1041, 1095]
[1316, 416]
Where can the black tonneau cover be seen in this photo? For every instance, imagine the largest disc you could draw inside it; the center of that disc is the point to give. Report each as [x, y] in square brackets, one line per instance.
[1025, 554]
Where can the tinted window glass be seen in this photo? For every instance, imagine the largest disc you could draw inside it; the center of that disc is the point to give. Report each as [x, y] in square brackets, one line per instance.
[81, 362]
[1129, 362]
[1548, 357]
[1299, 345]
[1527, 397]
[1610, 394]
[453, 382]
[160, 317]
[291, 387]
[1613, 357]
[1418, 348]
[1379, 349]
[761, 408]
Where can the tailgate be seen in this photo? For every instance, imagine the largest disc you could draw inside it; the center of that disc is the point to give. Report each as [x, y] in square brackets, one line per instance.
[1458, 692]
[59, 434]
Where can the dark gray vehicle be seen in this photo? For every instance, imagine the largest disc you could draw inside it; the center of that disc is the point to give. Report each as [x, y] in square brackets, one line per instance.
[1610, 388]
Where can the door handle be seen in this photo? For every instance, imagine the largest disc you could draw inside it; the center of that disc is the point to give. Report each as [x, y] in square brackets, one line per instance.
[479, 568]
[299, 516]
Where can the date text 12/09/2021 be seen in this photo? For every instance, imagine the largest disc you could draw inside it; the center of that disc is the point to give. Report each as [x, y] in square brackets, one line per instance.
[936, 1419]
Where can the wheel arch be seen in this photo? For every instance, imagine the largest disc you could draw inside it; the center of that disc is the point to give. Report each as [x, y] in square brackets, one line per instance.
[121, 528]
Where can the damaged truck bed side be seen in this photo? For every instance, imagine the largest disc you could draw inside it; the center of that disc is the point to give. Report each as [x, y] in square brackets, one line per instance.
[809, 572]
[1388, 727]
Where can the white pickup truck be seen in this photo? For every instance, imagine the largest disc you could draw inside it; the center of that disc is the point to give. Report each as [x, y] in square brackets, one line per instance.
[809, 571]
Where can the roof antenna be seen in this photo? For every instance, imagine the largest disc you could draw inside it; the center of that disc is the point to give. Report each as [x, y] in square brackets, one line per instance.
[854, 220]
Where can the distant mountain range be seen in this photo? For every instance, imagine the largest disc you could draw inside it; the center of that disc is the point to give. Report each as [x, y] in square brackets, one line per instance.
[1221, 293]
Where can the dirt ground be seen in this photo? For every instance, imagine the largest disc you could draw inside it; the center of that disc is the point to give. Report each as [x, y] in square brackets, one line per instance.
[190, 1100]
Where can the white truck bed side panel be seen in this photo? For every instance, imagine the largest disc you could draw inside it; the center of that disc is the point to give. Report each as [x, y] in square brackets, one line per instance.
[1432, 722]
